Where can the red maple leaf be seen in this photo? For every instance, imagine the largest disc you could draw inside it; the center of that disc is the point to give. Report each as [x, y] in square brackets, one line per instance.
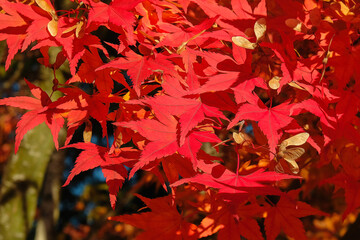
[163, 222]
[79, 106]
[162, 137]
[219, 82]
[40, 112]
[190, 111]
[112, 166]
[352, 191]
[270, 120]
[231, 184]
[179, 37]
[193, 143]
[116, 14]
[285, 216]
[317, 108]
[91, 61]
[244, 10]
[73, 45]
[22, 24]
[232, 222]
[139, 68]
[176, 166]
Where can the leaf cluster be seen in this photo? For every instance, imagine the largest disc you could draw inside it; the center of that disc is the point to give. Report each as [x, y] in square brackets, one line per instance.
[272, 87]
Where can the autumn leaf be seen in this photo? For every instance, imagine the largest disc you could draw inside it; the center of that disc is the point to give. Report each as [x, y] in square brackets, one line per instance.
[117, 13]
[190, 112]
[39, 113]
[140, 67]
[162, 137]
[79, 105]
[87, 73]
[270, 120]
[163, 222]
[21, 25]
[232, 222]
[112, 167]
[163, 78]
[231, 184]
[284, 216]
[351, 186]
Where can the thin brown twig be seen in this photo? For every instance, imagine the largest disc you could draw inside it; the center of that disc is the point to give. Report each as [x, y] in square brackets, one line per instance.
[326, 59]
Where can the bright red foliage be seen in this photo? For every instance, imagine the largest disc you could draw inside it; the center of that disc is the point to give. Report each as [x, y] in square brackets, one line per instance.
[201, 71]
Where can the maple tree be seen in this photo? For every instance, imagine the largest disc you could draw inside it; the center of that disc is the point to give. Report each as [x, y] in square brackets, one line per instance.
[273, 83]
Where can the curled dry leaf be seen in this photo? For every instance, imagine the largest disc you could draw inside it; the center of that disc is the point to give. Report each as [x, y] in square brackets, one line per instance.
[52, 27]
[80, 28]
[290, 155]
[72, 28]
[47, 6]
[239, 137]
[294, 167]
[260, 28]
[295, 85]
[87, 134]
[297, 140]
[243, 42]
[274, 83]
[279, 168]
